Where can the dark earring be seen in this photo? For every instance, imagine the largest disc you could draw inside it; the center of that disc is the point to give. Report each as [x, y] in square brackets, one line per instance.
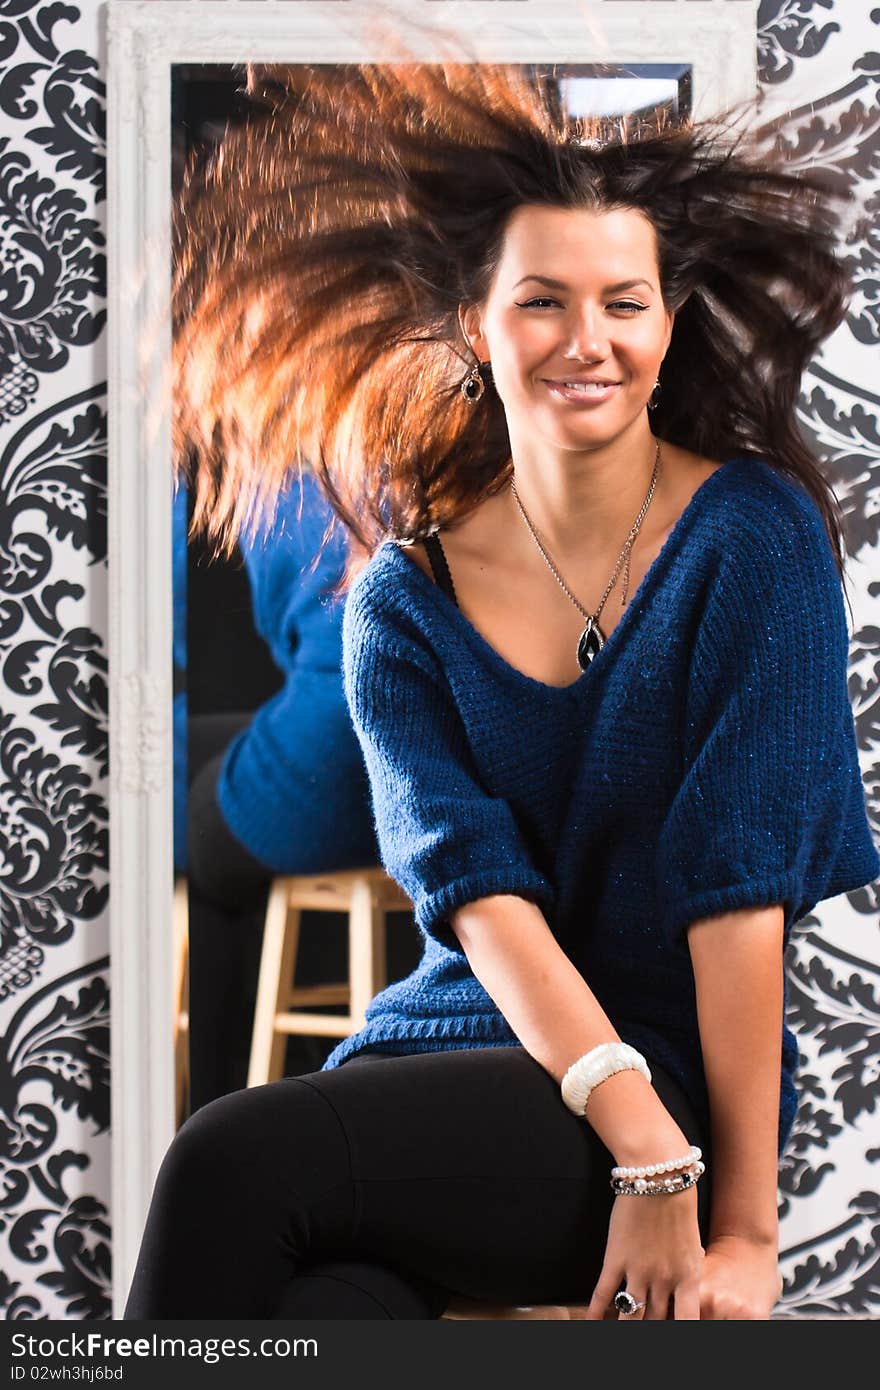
[654, 398]
[473, 385]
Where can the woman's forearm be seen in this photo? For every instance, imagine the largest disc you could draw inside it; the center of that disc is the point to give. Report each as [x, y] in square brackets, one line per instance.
[738, 972]
[557, 1018]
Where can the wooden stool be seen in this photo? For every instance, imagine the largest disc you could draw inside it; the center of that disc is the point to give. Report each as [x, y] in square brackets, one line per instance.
[468, 1309]
[367, 896]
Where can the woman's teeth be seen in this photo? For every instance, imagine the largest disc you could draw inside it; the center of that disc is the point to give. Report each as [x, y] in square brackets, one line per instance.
[587, 386]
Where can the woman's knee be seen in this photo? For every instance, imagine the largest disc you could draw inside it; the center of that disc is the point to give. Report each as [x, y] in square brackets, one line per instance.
[204, 1155]
[255, 1143]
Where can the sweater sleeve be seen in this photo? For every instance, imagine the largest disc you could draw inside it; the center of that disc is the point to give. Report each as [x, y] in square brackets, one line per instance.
[443, 837]
[770, 808]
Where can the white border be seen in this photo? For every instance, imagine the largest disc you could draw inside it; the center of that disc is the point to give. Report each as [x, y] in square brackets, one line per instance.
[717, 37]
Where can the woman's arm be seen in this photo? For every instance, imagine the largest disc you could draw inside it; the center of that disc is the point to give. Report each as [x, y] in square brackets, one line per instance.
[653, 1243]
[737, 960]
[557, 1018]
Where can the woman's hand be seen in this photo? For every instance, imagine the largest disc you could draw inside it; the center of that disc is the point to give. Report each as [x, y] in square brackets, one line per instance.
[739, 1280]
[654, 1249]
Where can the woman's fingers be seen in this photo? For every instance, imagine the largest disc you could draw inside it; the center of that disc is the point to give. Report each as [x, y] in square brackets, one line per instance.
[660, 1303]
[657, 1303]
[610, 1281]
[686, 1302]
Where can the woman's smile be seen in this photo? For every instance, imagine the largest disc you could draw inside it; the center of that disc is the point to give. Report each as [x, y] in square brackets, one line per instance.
[582, 393]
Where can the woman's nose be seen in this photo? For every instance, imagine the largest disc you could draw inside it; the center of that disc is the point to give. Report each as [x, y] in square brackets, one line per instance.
[587, 338]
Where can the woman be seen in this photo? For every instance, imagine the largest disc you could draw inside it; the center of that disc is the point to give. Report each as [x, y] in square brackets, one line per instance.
[601, 696]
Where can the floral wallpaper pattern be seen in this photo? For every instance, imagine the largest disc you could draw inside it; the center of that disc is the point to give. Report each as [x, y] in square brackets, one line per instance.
[55, 1259]
[819, 60]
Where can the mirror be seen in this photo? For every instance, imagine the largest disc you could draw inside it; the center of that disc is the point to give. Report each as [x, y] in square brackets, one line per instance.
[234, 766]
[268, 779]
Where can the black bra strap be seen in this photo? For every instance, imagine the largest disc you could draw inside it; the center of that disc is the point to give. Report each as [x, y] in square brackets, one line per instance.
[440, 565]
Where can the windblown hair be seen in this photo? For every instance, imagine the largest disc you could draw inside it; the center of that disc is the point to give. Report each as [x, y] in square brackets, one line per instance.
[323, 249]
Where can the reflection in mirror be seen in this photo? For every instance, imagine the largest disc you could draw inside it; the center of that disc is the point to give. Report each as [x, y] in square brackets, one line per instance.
[272, 823]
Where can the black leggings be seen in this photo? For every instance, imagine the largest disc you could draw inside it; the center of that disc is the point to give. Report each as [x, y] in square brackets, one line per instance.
[379, 1188]
[227, 890]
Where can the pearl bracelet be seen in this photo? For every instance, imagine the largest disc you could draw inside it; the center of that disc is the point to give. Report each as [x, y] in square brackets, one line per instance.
[597, 1065]
[650, 1170]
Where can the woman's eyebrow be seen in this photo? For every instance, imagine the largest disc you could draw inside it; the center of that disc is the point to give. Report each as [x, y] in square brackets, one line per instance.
[561, 285]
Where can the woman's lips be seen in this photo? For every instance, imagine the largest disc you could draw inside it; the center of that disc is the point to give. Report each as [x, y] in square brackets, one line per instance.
[585, 394]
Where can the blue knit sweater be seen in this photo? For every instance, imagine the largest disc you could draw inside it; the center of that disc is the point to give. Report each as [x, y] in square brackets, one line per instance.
[292, 787]
[706, 761]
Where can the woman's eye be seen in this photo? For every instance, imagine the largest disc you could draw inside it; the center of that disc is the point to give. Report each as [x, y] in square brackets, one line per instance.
[622, 305]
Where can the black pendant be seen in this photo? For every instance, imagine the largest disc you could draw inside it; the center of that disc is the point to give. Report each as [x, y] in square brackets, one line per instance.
[591, 641]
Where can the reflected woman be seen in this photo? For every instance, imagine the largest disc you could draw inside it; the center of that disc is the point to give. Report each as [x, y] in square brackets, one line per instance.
[596, 658]
[276, 790]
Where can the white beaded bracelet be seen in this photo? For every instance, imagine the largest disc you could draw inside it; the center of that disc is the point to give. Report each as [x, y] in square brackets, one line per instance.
[597, 1065]
[650, 1170]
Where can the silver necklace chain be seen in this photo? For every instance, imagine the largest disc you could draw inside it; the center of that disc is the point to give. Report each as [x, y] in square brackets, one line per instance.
[624, 554]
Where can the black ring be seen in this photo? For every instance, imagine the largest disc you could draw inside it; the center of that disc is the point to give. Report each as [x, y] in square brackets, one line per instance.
[625, 1303]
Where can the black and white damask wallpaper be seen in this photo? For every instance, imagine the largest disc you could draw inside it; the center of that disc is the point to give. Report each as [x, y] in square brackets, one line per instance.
[818, 59]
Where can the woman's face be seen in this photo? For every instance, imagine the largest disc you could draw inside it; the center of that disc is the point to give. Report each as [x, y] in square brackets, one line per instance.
[574, 324]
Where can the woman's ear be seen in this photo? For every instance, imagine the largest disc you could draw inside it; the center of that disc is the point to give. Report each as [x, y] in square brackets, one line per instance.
[471, 323]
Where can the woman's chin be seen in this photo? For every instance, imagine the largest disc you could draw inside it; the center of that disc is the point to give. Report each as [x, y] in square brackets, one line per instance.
[586, 438]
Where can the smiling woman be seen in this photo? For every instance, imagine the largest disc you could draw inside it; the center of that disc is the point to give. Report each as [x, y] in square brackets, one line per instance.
[575, 373]
[454, 303]
[585, 346]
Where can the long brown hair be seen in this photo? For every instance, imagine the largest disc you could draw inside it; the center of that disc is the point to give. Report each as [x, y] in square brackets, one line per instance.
[323, 250]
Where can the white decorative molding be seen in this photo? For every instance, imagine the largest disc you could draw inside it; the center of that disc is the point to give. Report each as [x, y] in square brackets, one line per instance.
[145, 40]
[142, 742]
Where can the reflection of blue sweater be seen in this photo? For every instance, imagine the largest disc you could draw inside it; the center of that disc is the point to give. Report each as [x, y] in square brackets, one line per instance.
[706, 761]
[292, 787]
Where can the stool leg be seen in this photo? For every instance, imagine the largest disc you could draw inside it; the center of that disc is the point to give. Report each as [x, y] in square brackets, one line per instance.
[380, 948]
[280, 943]
[366, 950]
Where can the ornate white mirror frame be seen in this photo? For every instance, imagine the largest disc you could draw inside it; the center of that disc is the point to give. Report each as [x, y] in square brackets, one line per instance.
[717, 38]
